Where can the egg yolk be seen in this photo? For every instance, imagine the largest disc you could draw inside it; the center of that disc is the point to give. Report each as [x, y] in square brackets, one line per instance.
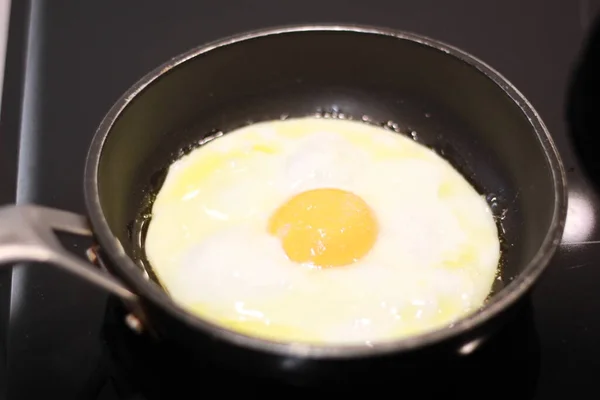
[325, 227]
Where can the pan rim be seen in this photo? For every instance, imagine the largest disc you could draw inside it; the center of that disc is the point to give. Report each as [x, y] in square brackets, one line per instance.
[501, 301]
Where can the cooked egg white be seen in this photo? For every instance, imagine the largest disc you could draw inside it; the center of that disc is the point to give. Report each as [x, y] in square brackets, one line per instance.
[322, 231]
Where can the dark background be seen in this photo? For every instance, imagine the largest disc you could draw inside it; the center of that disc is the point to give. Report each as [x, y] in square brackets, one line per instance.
[69, 60]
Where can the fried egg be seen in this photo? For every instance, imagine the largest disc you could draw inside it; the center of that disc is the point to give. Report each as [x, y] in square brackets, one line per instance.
[322, 231]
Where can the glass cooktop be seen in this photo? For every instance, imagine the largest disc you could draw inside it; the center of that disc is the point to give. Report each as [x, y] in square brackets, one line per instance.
[68, 61]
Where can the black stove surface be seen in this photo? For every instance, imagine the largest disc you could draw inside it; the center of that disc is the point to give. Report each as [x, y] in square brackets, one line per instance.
[68, 61]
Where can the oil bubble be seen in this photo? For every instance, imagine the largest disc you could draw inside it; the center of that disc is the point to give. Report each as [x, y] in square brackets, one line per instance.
[393, 126]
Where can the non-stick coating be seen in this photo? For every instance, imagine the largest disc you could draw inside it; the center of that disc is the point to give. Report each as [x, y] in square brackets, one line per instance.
[452, 108]
[455, 104]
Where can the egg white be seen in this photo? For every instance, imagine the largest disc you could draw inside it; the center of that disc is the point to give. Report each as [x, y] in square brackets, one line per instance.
[434, 260]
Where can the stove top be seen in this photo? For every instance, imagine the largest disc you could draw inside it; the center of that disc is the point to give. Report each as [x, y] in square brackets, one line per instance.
[132, 365]
[66, 65]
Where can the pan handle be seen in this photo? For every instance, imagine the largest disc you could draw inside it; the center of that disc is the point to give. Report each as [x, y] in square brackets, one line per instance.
[27, 233]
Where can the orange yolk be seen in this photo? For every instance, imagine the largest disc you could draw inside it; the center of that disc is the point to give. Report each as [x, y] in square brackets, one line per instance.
[325, 227]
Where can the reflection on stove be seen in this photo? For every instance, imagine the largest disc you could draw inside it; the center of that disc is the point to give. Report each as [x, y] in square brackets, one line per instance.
[581, 218]
[471, 346]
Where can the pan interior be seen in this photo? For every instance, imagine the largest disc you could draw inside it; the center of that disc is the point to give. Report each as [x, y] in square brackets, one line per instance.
[412, 88]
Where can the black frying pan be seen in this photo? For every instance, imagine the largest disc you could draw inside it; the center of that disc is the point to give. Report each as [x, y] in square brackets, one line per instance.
[455, 103]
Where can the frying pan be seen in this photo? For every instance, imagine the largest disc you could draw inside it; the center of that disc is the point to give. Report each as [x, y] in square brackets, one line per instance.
[443, 97]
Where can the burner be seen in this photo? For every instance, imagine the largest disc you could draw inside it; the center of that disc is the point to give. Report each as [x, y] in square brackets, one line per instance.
[141, 365]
